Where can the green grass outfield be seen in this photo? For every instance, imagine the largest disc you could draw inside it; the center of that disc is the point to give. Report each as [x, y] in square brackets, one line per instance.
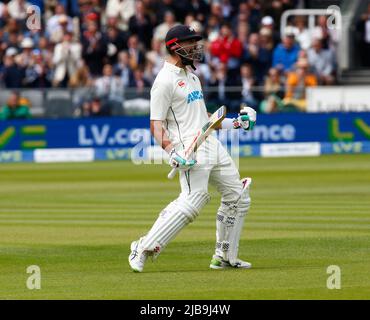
[76, 222]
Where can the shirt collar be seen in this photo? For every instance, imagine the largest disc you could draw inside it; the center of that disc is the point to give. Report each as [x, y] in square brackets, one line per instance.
[172, 67]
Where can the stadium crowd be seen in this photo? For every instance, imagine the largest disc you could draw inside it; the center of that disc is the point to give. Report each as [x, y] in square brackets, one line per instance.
[113, 45]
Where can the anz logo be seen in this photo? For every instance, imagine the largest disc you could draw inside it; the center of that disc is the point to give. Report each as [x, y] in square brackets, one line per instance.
[195, 95]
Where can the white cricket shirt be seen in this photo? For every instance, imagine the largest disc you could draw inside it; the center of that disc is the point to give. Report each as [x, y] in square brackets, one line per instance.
[177, 98]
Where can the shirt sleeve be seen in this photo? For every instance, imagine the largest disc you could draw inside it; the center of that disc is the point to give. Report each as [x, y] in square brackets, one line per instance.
[160, 100]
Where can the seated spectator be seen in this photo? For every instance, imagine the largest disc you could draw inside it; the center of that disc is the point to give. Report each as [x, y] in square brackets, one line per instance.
[138, 99]
[95, 48]
[296, 84]
[155, 56]
[258, 57]
[266, 40]
[247, 82]
[273, 91]
[136, 54]
[110, 88]
[227, 49]
[138, 81]
[94, 107]
[321, 62]
[268, 25]
[303, 35]
[67, 55]
[122, 68]
[286, 53]
[13, 72]
[329, 36]
[242, 16]
[13, 109]
[220, 94]
[227, 9]
[363, 29]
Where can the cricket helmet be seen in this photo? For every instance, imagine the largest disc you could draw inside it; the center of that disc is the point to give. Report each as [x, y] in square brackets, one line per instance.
[189, 52]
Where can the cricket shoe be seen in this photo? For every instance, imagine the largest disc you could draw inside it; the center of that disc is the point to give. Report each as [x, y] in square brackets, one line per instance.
[218, 263]
[138, 256]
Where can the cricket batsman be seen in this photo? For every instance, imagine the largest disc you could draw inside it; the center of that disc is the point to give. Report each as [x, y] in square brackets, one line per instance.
[177, 111]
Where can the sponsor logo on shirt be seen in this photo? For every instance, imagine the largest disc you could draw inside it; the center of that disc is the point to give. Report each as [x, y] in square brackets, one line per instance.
[181, 84]
[195, 95]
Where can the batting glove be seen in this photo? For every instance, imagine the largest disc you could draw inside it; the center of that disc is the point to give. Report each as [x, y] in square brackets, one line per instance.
[246, 119]
[179, 162]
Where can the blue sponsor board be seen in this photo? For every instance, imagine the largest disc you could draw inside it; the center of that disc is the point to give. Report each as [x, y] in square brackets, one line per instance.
[127, 132]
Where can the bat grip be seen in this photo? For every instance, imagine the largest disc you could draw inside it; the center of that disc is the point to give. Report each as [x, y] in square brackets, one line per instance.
[172, 173]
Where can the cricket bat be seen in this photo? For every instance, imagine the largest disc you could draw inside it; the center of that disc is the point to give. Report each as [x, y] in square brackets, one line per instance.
[214, 121]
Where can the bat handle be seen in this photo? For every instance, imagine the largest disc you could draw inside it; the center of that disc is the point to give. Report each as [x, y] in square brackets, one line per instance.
[172, 173]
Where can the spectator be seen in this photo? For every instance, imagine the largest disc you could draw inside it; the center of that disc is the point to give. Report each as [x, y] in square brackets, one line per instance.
[219, 95]
[46, 49]
[248, 81]
[155, 56]
[54, 23]
[161, 30]
[18, 9]
[199, 8]
[81, 78]
[13, 109]
[140, 24]
[13, 72]
[138, 81]
[267, 23]
[286, 53]
[122, 68]
[67, 56]
[117, 41]
[93, 108]
[242, 17]
[266, 39]
[213, 28]
[227, 49]
[37, 74]
[163, 6]
[363, 28]
[321, 31]
[226, 9]
[63, 26]
[27, 46]
[296, 84]
[303, 35]
[322, 62]
[72, 7]
[110, 88]
[136, 54]
[258, 57]
[94, 49]
[273, 91]
[122, 9]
